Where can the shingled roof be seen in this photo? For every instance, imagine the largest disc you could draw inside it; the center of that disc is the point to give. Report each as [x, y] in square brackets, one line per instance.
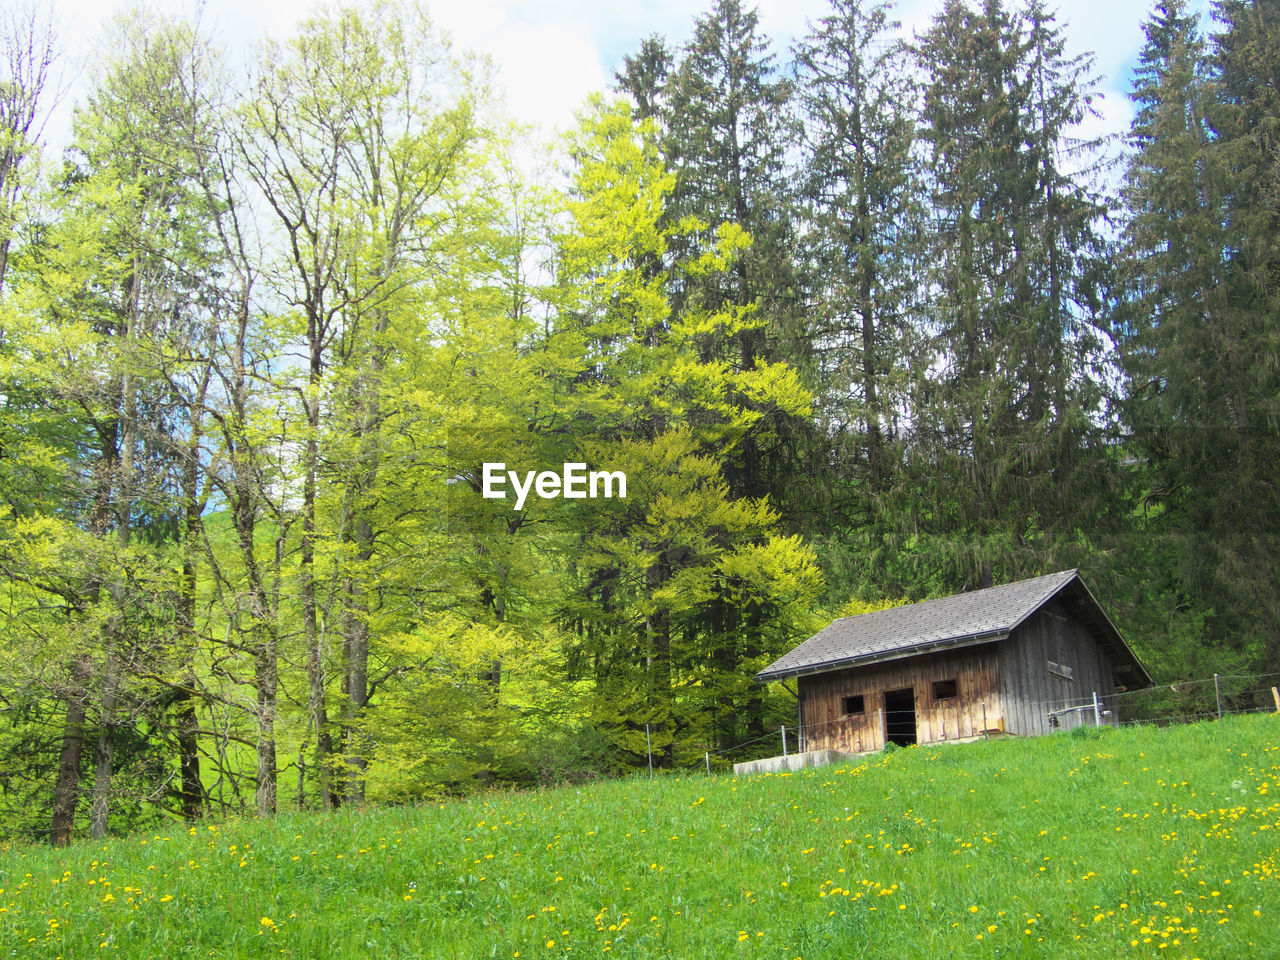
[979, 616]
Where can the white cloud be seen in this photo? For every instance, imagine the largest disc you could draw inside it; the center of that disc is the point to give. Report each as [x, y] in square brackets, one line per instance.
[546, 69]
[551, 54]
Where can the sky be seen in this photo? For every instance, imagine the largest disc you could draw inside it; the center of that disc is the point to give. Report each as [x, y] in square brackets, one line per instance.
[550, 54]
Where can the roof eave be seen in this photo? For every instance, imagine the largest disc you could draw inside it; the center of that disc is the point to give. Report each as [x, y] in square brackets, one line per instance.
[899, 653]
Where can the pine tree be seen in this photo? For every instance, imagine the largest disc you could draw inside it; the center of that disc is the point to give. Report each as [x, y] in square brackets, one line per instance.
[1172, 263]
[862, 193]
[1008, 449]
[1203, 222]
[1244, 383]
[643, 77]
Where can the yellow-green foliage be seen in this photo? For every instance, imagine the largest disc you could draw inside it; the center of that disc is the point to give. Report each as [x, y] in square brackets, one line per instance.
[242, 520]
[445, 723]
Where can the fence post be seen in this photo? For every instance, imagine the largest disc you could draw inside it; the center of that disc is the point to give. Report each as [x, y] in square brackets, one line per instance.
[1275, 695]
[707, 755]
[784, 740]
[1097, 713]
[985, 736]
[1217, 695]
[648, 745]
[884, 733]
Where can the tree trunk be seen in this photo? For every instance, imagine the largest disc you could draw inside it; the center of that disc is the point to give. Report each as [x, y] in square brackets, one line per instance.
[266, 681]
[357, 675]
[658, 635]
[316, 705]
[356, 612]
[120, 452]
[192, 793]
[66, 789]
[104, 752]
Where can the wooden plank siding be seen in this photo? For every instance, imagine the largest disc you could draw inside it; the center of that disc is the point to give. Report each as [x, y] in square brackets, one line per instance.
[975, 670]
[1031, 691]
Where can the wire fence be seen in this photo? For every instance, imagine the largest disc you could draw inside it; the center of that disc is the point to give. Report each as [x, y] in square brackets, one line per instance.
[1186, 701]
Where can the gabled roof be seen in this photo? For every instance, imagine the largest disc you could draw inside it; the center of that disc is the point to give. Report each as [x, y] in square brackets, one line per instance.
[980, 616]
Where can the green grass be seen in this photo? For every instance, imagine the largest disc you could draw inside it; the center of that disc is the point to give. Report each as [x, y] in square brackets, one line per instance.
[1131, 843]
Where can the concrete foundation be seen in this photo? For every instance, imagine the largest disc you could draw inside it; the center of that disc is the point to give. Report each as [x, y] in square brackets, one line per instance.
[794, 761]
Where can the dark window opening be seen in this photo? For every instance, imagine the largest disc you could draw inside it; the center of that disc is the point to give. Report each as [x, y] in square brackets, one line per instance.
[852, 704]
[944, 689]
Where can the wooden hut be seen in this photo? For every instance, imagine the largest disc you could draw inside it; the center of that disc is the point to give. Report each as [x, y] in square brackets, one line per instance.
[1023, 658]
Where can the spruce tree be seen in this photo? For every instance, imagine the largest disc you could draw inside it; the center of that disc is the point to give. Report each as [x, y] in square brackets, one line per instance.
[1203, 233]
[1240, 500]
[861, 193]
[1172, 245]
[1008, 452]
[643, 77]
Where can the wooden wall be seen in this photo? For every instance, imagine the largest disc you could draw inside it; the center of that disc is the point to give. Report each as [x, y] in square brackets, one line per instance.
[975, 670]
[1030, 691]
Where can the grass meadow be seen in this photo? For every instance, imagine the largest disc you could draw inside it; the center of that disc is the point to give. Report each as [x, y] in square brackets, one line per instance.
[1140, 843]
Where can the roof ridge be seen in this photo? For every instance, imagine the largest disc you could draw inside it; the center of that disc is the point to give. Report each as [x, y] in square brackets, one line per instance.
[962, 593]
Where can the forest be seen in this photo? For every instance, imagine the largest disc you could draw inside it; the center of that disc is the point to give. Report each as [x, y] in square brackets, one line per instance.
[860, 320]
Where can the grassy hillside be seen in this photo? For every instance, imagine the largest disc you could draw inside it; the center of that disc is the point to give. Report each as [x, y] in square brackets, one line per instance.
[1131, 843]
